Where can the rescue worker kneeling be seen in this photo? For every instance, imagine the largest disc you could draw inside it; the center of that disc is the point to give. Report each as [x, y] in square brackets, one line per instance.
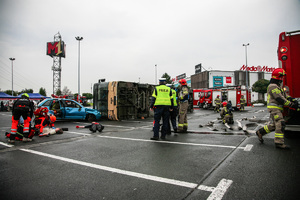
[226, 114]
[22, 107]
[48, 127]
[19, 136]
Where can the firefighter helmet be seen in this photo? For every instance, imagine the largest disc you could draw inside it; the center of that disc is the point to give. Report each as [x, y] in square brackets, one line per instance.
[52, 118]
[224, 104]
[182, 82]
[278, 74]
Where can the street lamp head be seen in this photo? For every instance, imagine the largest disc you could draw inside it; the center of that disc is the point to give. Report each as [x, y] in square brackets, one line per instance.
[12, 59]
[79, 38]
[246, 44]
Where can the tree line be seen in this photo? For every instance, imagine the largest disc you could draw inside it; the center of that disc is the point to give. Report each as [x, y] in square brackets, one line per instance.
[42, 91]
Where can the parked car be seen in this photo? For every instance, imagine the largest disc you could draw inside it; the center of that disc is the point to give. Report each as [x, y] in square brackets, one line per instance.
[70, 109]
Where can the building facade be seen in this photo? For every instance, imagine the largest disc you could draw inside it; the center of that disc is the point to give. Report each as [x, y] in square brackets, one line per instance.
[218, 78]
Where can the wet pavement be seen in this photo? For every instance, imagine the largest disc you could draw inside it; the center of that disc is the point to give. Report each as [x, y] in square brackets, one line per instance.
[209, 162]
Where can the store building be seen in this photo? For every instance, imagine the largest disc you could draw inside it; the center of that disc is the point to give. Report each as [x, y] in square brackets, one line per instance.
[219, 78]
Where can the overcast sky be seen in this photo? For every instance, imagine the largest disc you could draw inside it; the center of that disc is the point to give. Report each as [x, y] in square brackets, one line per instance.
[124, 39]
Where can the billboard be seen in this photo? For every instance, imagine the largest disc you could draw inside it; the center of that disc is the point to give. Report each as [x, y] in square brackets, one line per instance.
[218, 81]
[181, 76]
[198, 68]
[56, 49]
[257, 69]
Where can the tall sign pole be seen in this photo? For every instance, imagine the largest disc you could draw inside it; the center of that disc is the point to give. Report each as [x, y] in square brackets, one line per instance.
[12, 75]
[247, 82]
[56, 50]
[155, 74]
[79, 39]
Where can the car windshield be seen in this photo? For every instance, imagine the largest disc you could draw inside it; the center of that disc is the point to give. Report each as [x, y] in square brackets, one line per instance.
[47, 103]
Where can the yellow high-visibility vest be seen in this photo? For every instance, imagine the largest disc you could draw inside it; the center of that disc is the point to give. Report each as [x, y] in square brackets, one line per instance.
[162, 95]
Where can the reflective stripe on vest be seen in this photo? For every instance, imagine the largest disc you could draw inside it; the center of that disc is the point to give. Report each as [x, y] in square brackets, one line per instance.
[274, 105]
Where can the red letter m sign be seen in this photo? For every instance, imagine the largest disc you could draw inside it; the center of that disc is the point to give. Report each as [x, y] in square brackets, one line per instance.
[55, 49]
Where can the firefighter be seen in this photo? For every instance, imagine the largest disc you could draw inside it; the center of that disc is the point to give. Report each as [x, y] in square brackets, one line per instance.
[226, 113]
[173, 114]
[276, 100]
[218, 103]
[183, 98]
[242, 102]
[22, 107]
[162, 103]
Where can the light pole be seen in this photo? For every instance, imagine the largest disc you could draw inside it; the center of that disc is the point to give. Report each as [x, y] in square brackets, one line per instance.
[247, 83]
[12, 76]
[155, 74]
[79, 39]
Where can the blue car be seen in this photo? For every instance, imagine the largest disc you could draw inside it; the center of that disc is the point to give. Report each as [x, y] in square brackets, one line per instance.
[70, 109]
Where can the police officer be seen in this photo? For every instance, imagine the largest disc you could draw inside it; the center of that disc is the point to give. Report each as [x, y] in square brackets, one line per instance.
[276, 100]
[22, 107]
[174, 112]
[162, 103]
[183, 97]
[242, 102]
[218, 103]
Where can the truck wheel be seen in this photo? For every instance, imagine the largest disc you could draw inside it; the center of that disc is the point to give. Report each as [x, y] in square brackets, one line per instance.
[91, 118]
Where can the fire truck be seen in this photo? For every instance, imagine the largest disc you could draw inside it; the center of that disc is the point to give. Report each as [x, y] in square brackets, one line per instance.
[289, 59]
[232, 93]
[197, 94]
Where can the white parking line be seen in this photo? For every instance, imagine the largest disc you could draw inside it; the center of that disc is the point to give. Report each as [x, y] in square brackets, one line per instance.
[217, 192]
[220, 190]
[248, 147]
[206, 188]
[78, 133]
[7, 145]
[179, 143]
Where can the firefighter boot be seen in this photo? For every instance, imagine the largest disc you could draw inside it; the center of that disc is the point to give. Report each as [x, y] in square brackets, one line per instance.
[282, 146]
[11, 139]
[259, 134]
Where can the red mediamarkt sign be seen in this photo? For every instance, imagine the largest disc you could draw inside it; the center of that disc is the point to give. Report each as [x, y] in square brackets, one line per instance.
[258, 68]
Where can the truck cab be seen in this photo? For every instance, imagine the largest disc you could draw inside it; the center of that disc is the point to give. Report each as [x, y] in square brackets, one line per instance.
[289, 59]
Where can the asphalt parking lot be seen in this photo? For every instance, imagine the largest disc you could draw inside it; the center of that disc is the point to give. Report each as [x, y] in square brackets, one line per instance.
[209, 162]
